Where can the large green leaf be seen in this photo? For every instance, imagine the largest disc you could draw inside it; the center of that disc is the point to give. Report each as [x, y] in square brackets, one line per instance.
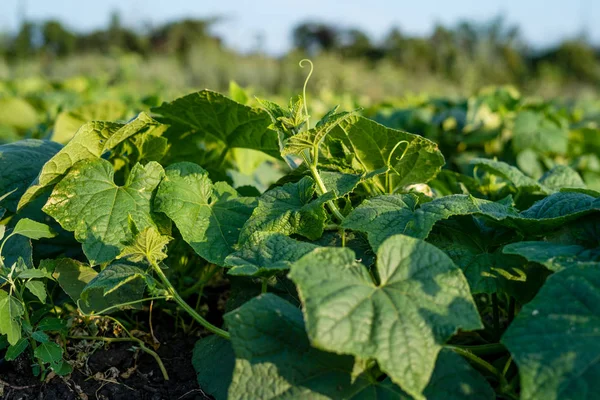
[213, 360]
[511, 174]
[89, 203]
[539, 132]
[91, 141]
[555, 339]
[274, 359]
[17, 113]
[266, 253]
[208, 216]
[554, 256]
[289, 209]
[475, 248]
[383, 216]
[20, 164]
[68, 122]
[411, 158]
[421, 300]
[454, 379]
[561, 177]
[232, 123]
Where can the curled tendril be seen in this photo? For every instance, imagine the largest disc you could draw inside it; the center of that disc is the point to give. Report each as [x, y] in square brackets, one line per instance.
[389, 160]
[312, 67]
[388, 182]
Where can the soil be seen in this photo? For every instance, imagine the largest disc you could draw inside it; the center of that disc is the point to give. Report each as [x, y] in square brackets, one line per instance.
[116, 373]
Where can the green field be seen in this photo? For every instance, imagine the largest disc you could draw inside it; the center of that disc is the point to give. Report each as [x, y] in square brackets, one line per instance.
[335, 245]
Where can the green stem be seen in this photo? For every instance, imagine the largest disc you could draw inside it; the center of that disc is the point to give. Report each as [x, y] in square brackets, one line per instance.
[186, 307]
[511, 309]
[19, 297]
[129, 339]
[129, 303]
[481, 363]
[264, 286]
[483, 349]
[322, 189]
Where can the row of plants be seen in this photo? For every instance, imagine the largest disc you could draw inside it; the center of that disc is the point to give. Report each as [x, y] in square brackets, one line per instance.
[362, 263]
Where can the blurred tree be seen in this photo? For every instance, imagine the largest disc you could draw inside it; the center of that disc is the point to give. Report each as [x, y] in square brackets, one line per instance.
[57, 40]
[22, 45]
[312, 37]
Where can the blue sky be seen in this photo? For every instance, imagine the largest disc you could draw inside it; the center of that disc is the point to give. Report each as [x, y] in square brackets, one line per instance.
[542, 22]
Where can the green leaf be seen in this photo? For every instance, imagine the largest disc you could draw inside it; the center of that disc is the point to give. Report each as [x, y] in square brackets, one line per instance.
[67, 123]
[208, 216]
[454, 379]
[312, 138]
[555, 211]
[383, 216]
[213, 360]
[17, 113]
[148, 245]
[554, 256]
[33, 229]
[422, 299]
[411, 158]
[511, 174]
[74, 276]
[555, 339]
[40, 336]
[104, 228]
[289, 209]
[237, 93]
[474, 248]
[51, 324]
[18, 247]
[342, 184]
[112, 278]
[38, 289]
[61, 368]
[33, 273]
[265, 254]
[561, 177]
[91, 141]
[543, 133]
[14, 351]
[20, 164]
[49, 352]
[11, 311]
[274, 359]
[234, 124]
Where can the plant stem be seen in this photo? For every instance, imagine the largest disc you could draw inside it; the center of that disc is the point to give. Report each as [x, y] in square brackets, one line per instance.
[264, 286]
[129, 303]
[186, 307]
[128, 339]
[322, 189]
[481, 363]
[483, 349]
[511, 309]
[496, 314]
